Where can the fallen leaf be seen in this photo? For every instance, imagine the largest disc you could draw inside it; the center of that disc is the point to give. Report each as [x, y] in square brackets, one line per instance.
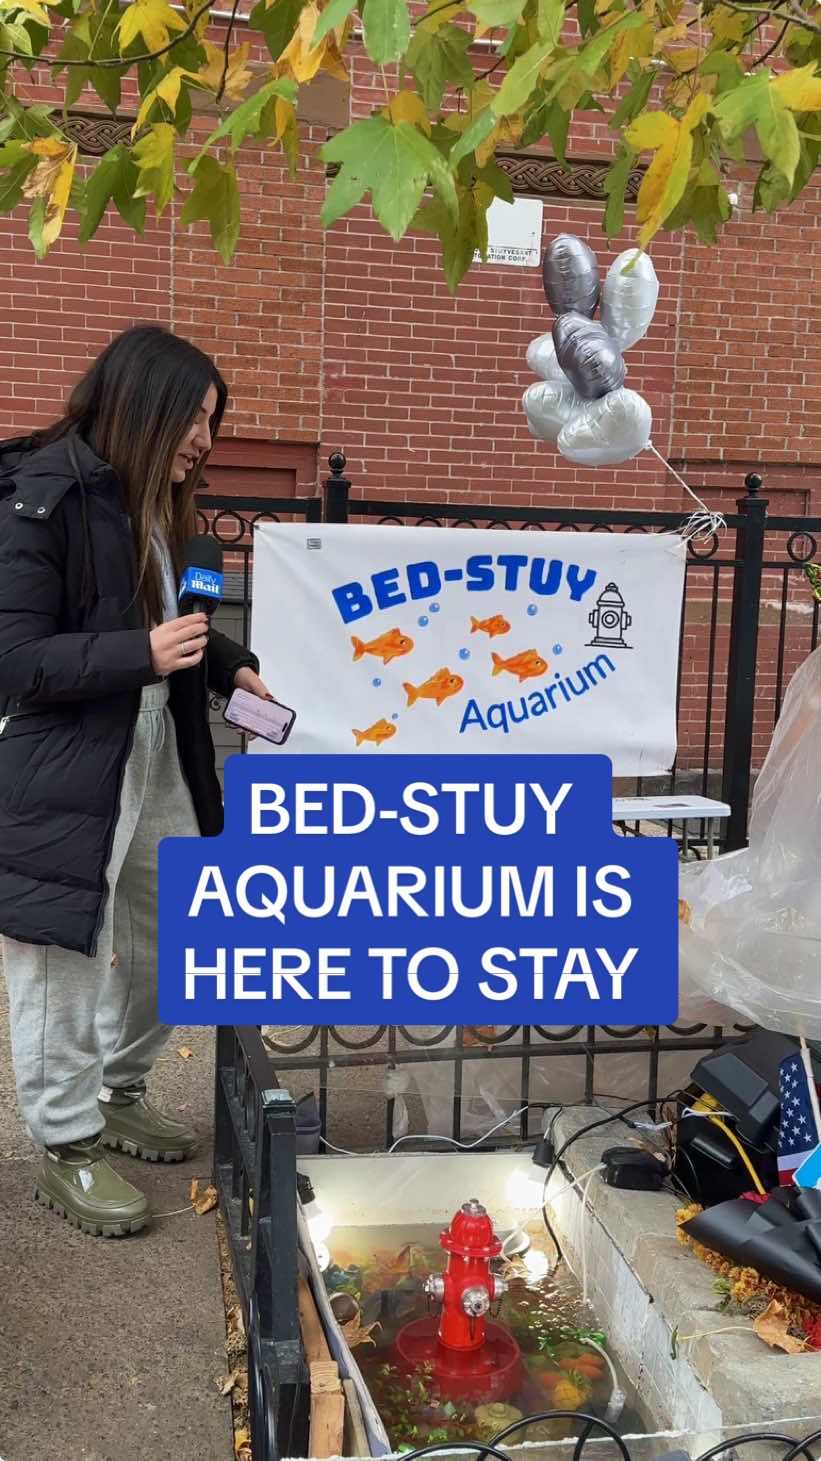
[115, 961]
[356, 1334]
[685, 912]
[194, 1190]
[242, 1438]
[186, 1106]
[773, 1327]
[227, 1385]
[206, 1202]
[185, 1052]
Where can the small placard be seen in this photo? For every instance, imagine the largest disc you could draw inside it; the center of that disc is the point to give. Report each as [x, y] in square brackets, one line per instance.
[514, 233]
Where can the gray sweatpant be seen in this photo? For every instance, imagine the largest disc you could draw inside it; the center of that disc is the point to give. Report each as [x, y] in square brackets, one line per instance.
[79, 1024]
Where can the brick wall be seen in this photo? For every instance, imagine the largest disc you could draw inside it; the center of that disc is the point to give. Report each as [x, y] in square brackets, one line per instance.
[347, 340]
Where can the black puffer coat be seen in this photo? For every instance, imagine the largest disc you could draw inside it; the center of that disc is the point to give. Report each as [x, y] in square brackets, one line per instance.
[70, 683]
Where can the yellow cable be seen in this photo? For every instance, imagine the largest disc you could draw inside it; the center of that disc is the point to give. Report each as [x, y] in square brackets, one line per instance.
[703, 1104]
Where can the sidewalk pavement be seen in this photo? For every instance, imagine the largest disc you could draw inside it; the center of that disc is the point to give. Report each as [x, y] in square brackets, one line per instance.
[111, 1349]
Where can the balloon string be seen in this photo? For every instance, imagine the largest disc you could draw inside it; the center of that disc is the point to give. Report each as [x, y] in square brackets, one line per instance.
[702, 524]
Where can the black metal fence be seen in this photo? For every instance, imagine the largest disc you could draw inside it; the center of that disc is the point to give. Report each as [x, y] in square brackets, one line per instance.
[748, 621]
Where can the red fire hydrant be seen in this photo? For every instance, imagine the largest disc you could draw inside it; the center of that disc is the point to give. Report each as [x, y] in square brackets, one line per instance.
[473, 1357]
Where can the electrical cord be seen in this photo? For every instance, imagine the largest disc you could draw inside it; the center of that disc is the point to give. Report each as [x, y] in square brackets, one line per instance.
[801, 1447]
[705, 1107]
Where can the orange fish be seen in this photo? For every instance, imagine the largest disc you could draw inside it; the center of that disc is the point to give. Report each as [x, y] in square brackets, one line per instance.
[439, 687]
[387, 647]
[497, 625]
[528, 665]
[380, 731]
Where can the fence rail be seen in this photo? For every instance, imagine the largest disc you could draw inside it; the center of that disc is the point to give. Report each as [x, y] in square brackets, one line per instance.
[747, 622]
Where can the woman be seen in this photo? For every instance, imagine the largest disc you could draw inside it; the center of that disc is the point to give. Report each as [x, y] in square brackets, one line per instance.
[105, 749]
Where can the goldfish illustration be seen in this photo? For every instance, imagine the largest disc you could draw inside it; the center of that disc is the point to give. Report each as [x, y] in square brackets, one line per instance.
[439, 687]
[496, 625]
[380, 731]
[528, 665]
[387, 647]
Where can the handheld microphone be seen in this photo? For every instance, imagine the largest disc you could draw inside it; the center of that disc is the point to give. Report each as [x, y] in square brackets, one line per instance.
[201, 582]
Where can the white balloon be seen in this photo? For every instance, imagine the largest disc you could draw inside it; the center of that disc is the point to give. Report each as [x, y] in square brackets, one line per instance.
[605, 432]
[549, 405]
[628, 300]
[541, 358]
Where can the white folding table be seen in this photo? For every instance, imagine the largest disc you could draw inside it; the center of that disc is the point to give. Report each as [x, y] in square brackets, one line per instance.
[684, 809]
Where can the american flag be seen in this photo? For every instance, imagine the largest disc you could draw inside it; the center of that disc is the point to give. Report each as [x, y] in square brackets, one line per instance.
[800, 1131]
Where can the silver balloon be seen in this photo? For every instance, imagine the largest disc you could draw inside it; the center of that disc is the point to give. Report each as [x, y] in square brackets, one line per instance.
[549, 405]
[605, 432]
[590, 359]
[571, 275]
[541, 358]
[628, 300]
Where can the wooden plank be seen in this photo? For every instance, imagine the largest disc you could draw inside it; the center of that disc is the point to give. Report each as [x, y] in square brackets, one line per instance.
[313, 1334]
[327, 1411]
[355, 1436]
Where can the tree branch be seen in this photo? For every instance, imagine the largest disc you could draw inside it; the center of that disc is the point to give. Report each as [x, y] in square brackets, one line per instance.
[232, 22]
[765, 56]
[111, 63]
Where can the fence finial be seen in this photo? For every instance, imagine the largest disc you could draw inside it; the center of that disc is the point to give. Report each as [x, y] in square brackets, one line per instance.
[753, 482]
[337, 462]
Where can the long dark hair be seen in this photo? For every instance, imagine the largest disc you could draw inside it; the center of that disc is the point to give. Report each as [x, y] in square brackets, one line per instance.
[133, 408]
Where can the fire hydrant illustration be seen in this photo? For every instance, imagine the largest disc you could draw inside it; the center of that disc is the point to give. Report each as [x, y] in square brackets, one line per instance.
[610, 619]
[473, 1357]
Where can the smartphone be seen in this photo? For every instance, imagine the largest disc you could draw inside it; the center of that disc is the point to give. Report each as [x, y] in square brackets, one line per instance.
[257, 717]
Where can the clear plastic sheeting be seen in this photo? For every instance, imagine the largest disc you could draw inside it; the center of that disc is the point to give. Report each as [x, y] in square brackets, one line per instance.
[752, 946]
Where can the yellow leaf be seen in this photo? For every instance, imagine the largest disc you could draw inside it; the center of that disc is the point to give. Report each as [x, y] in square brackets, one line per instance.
[507, 129]
[242, 1438]
[630, 45]
[773, 1327]
[284, 118]
[651, 130]
[153, 20]
[167, 90]
[728, 25]
[666, 177]
[206, 1202]
[301, 57]
[799, 90]
[194, 1190]
[185, 1052]
[407, 106]
[238, 76]
[52, 179]
[32, 8]
[683, 58]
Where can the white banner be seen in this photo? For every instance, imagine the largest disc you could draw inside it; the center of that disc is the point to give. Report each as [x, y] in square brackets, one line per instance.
[392, 639]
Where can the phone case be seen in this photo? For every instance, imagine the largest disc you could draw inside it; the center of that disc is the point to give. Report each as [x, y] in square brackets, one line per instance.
[265, 718]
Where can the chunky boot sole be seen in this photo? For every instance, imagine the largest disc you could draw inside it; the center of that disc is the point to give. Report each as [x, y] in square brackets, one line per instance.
[120, 1229]
[133, 1148]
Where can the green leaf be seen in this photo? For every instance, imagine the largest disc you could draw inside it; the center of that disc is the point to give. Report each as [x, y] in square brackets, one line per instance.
[11, 183]
[550, 119]
[215, 197]
[586, 12]
[115, 177]
[386, 29]
[635, 100]
[521, 80]
[497, 182]
[333, 15]
[592, 54]
[248, 119]
[551, 17]
[278, 23]
[438, 58]
[725, 67]
[15, 37]
[37, 222]
[615, 187]
[392, 161]
[737, 110]
[473, 136]
[154, 156]
[494, 14]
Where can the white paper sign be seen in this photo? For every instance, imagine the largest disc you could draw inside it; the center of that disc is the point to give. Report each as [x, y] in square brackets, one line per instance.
[392, 639]
[514, 233]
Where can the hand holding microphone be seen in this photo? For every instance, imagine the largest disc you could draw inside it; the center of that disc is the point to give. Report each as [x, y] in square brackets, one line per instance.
[180, 643]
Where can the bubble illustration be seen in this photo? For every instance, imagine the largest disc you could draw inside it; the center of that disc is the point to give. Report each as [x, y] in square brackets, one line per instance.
[376, 684]
[557, 648]
[434, 608]
[423, 622]
[464, 654]
[532, 610]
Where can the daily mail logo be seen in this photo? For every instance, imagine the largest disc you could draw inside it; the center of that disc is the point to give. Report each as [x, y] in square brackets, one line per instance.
[201, 581]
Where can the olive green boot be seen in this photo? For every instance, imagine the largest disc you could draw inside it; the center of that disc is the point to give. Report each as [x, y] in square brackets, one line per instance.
[136, 1127]
[78, 1183]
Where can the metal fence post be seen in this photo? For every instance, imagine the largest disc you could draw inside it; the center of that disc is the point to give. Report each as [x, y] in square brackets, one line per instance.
[741, 671]
[335, 490]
